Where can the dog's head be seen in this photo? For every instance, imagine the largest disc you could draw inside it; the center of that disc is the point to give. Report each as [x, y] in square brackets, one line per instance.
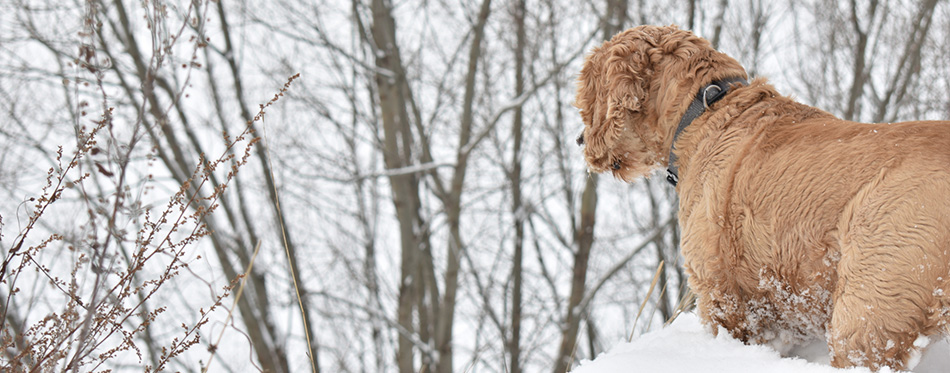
[633, 90]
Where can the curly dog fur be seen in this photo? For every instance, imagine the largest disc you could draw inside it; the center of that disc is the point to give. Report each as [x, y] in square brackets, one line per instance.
[795, 224]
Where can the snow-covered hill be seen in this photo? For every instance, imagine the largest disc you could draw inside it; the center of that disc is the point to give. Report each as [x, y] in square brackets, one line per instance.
[686, 347]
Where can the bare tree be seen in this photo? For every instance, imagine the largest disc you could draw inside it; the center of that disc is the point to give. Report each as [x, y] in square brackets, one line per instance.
[517, 205]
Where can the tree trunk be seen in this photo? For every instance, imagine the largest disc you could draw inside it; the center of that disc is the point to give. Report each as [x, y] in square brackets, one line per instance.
[453, 202]
[584, 233]
[859, 75]
[691, 15]
[717, 24]
[584, 239]
[909, 65]
[397, 153]
[514, 342]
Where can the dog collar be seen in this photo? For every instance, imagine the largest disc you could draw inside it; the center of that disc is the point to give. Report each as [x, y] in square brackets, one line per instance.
[705, 97]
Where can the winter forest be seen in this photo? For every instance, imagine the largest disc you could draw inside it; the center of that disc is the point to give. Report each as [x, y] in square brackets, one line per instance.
[367, 185]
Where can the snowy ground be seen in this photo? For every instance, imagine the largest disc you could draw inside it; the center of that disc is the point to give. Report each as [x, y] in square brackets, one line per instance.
[686, 347]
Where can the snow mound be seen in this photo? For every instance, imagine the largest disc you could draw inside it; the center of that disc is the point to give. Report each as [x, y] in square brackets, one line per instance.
[686, 346]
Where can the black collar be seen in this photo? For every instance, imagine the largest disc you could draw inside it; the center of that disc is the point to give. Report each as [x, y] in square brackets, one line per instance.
[705, 97]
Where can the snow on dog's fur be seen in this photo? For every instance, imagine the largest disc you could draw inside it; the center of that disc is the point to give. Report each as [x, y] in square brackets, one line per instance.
[795, 224]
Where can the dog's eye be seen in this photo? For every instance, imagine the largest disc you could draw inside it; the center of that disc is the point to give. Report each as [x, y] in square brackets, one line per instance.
[616, 165]
[580, 139]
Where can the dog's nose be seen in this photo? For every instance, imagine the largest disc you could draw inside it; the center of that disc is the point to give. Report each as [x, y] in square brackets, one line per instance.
[580, 140]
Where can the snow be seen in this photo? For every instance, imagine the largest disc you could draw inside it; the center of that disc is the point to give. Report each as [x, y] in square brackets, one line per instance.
[687, 346]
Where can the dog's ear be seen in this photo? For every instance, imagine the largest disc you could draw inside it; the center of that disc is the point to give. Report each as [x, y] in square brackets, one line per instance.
[611, 90]
[591, 100]
[623, 84]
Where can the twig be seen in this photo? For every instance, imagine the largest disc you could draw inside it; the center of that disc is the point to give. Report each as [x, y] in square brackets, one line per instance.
[283, 235]
[659, 271]
[237, 296]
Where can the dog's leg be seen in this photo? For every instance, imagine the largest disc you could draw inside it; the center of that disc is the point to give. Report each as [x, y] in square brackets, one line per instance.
[873, 328]
[893, 255]
[881, 303]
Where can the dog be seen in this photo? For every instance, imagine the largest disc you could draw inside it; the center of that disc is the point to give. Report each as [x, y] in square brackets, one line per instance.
[795, 224]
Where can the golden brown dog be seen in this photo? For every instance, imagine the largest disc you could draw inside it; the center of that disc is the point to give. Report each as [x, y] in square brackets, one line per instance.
[796, 224]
